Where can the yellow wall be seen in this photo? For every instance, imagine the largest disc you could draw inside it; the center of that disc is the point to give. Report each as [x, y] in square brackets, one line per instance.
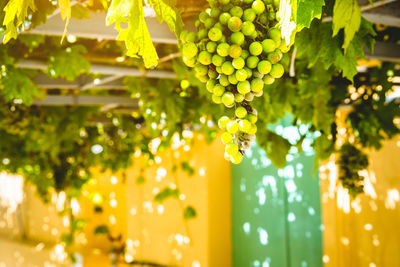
[364, 231]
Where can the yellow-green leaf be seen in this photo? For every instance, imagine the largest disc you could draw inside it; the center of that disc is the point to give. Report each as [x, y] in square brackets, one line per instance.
[15, 13]
[136, 36]
[347, 15]
[65, 12]
[166, 13]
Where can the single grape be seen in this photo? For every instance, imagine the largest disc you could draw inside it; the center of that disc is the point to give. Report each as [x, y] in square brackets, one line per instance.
[223, 121]
[275, 34]
[185, 84]
[254, 35]
[191, 37]
[258, 7]
[264, 67]
[275, 56]
[237, 38]
[238, 63]
[227, 157]
[268, 79]
[211, 47]
[223, 80]
[237, 158]
[203, 16]
[209, 23]
[249, 15]
[217, 60]
[249, 72]
[240, 112]
[258, 74]
[244, 125]
[210, 85]
[201, 34]
[212, 74]
[241, 75]
[248, 28]
[223, 2]
[236, 11]
[234, 24]
[249, 97]
[227, 68]
[232, 79]
[226, 138]
[231, 148]
[245, 54]
[256, 85]
[223, 49]
[189, 61]
[214, 13]
[268, 45]
[253, 129]
[224, 17]
[232, 127]
[277, 70]
[252, 118]
[183, 35]
[218, 69]
[200, 69]
[255, 48]
[215, 34]
[258, 94]
[228, 99]
[216, 99]
[218, 90]
[189, 50]
[204, 58]
[243, 87]
[235, 51]
[252, 62]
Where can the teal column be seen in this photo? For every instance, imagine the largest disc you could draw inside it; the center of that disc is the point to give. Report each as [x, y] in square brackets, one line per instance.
[276, 213]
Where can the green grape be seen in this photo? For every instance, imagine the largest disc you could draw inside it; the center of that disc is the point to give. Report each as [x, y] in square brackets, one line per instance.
[254, 35]
[218, 69]
[223, 80]
[231, 148]
[215, 34]
[252, 62]
[255, 48]
[232, 127]
[248, 28]
[224, 17]
[249, 15]
[268, 79]
[203, 16]
[191, 37]
[189, 50]
[217, 60]
[212, 74]
[237, 38]
[197, 24]
[237, 158]
[227, 68]
[264, 67]
[218, 25]
[209, 23]
[244, 54]
[223, 121]
[252, 118]
[228, 99]
[249, 72]
[240, 112]
[241, 75]
[258, 6]
[258, 74]
[204, 58]
[200, 69]
[189, 61]
[275, 34]
[235, 51]
[183, 35]
[226, 138]
[227, 157]
[258, 94]
[239, 98]
[268, 45]
[218, 90]
[238, 63]
[210, 85]
[253, 129]
[216, 99]
[234, 24]
[277, 70]
[211, 47]
[256, 85]
[223, 2]
[223, 49]
[243, 87]
[232, 79]
[249, 97]
[201, 34]
[236, 11]
[245, 125]
[214, 13]
[274, 57]
[185, 84]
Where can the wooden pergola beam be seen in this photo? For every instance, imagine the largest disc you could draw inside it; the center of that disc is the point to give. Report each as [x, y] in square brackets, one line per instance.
[80, 100]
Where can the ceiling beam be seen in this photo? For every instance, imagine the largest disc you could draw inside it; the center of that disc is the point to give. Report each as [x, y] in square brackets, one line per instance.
[389, 52]
[388, 14]
[105, 70]
[81, 100]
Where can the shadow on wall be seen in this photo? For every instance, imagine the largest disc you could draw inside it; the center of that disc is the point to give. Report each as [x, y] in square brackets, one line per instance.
[276, 212]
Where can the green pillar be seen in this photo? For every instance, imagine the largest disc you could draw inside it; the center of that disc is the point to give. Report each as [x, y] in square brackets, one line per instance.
[276, 218]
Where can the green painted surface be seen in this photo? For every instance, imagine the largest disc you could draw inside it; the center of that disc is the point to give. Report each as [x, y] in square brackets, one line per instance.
[276, 216]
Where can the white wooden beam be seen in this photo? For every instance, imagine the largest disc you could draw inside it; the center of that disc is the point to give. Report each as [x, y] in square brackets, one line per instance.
[105, 69]
[81, 100]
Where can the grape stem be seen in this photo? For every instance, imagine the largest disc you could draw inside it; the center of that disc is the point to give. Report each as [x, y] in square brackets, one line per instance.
[292, 61]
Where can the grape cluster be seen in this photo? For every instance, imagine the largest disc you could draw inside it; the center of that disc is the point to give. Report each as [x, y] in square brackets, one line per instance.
[236, 51]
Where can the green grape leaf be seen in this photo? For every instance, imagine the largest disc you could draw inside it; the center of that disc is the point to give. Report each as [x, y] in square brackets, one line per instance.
[68, 63]
[15, 13]
[101, 230]
[165, 194]
[346, 15]
[307, 10]
[79, 11]
[167, 13]
[275, 146]
[32, 40]
[16, 84]
[65, 12]
[189, 213]
[136, 36]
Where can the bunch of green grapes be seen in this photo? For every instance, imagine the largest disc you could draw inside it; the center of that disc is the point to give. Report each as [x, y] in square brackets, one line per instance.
[236, 51]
